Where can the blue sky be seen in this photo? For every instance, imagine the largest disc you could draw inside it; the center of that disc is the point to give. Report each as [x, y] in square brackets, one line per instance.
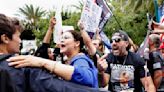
[10, 7]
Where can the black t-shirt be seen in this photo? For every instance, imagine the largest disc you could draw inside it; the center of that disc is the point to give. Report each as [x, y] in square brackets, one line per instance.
[130, 67]
[42, 51]
[155, 62]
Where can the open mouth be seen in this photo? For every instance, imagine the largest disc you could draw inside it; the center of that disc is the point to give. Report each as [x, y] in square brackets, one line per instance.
[115, 49]
[62, 45]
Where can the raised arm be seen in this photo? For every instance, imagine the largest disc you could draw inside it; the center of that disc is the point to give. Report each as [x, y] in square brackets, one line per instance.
[97, 34]
[50, 30]
[87, 39]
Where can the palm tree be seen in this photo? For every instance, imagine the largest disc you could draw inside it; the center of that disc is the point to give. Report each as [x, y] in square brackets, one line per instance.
[79, 6]
[32, 14]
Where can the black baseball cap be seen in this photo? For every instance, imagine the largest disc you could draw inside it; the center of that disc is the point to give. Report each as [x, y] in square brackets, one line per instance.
[124, 36]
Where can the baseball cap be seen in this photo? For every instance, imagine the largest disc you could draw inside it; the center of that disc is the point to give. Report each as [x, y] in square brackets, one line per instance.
[124, 36]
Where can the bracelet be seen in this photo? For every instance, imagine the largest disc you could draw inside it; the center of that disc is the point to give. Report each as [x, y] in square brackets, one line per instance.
[53, 68]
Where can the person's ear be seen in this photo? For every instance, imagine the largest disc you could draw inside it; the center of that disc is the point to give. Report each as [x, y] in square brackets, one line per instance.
[77, 43]
[127, 43]
[4, 39]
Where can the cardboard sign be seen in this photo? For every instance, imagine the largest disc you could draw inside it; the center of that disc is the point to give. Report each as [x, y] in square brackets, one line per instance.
[91, 16]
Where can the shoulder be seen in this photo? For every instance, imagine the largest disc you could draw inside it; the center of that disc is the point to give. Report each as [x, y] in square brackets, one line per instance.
[110, 56]
[45, 45]
[81, 57]
[136, 59]
[135, 56]
[156, 53]
[5, 56]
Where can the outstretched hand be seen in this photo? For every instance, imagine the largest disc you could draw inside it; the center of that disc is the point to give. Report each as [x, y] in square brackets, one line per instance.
[102, 63]
[25, 60]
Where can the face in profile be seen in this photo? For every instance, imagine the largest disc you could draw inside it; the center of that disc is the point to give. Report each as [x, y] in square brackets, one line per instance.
[68, 43]
[13, 44]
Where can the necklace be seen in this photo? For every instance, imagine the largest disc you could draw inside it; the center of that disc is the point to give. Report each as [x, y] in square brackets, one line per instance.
[125, 59]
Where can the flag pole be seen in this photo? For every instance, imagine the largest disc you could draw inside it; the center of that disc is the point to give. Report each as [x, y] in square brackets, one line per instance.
[115, 17]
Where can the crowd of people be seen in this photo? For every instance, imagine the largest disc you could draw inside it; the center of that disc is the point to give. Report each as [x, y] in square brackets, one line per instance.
[85, 66]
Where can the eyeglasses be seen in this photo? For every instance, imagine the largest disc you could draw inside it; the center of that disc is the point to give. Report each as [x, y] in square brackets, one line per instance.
[66, 37]
[117, 40]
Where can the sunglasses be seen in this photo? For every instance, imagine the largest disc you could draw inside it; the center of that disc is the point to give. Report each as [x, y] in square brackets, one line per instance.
[116, 40]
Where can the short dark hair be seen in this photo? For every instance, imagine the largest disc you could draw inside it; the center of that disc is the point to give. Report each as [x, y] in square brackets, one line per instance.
[17, 24]
[6, 26]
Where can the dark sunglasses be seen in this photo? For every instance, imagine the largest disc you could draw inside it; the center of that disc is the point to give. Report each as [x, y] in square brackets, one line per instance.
[117, 40]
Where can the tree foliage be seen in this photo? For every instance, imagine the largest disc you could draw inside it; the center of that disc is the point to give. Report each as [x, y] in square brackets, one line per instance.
[31, 13]
[130, 14]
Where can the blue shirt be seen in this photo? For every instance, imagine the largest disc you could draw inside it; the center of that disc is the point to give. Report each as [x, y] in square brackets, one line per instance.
[85, 72]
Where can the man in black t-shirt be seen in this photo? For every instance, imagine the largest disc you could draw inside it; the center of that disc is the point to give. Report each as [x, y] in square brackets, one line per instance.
[125, 70]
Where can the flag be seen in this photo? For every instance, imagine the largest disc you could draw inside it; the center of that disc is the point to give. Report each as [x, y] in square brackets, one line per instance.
[161, 12]
[58, 26]
[105, 40]
[105, 16]
[156, 11]
[106, 13]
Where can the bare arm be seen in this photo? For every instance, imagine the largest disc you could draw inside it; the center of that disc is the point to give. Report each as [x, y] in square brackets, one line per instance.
[105, 78]
[49, 32]
[62, 70]
[157, 78]
[87, 39]
[98, 35]
[148, 84]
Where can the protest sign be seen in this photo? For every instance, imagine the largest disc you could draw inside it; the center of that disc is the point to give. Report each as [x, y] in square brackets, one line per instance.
[58, 27]
[91, 16]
